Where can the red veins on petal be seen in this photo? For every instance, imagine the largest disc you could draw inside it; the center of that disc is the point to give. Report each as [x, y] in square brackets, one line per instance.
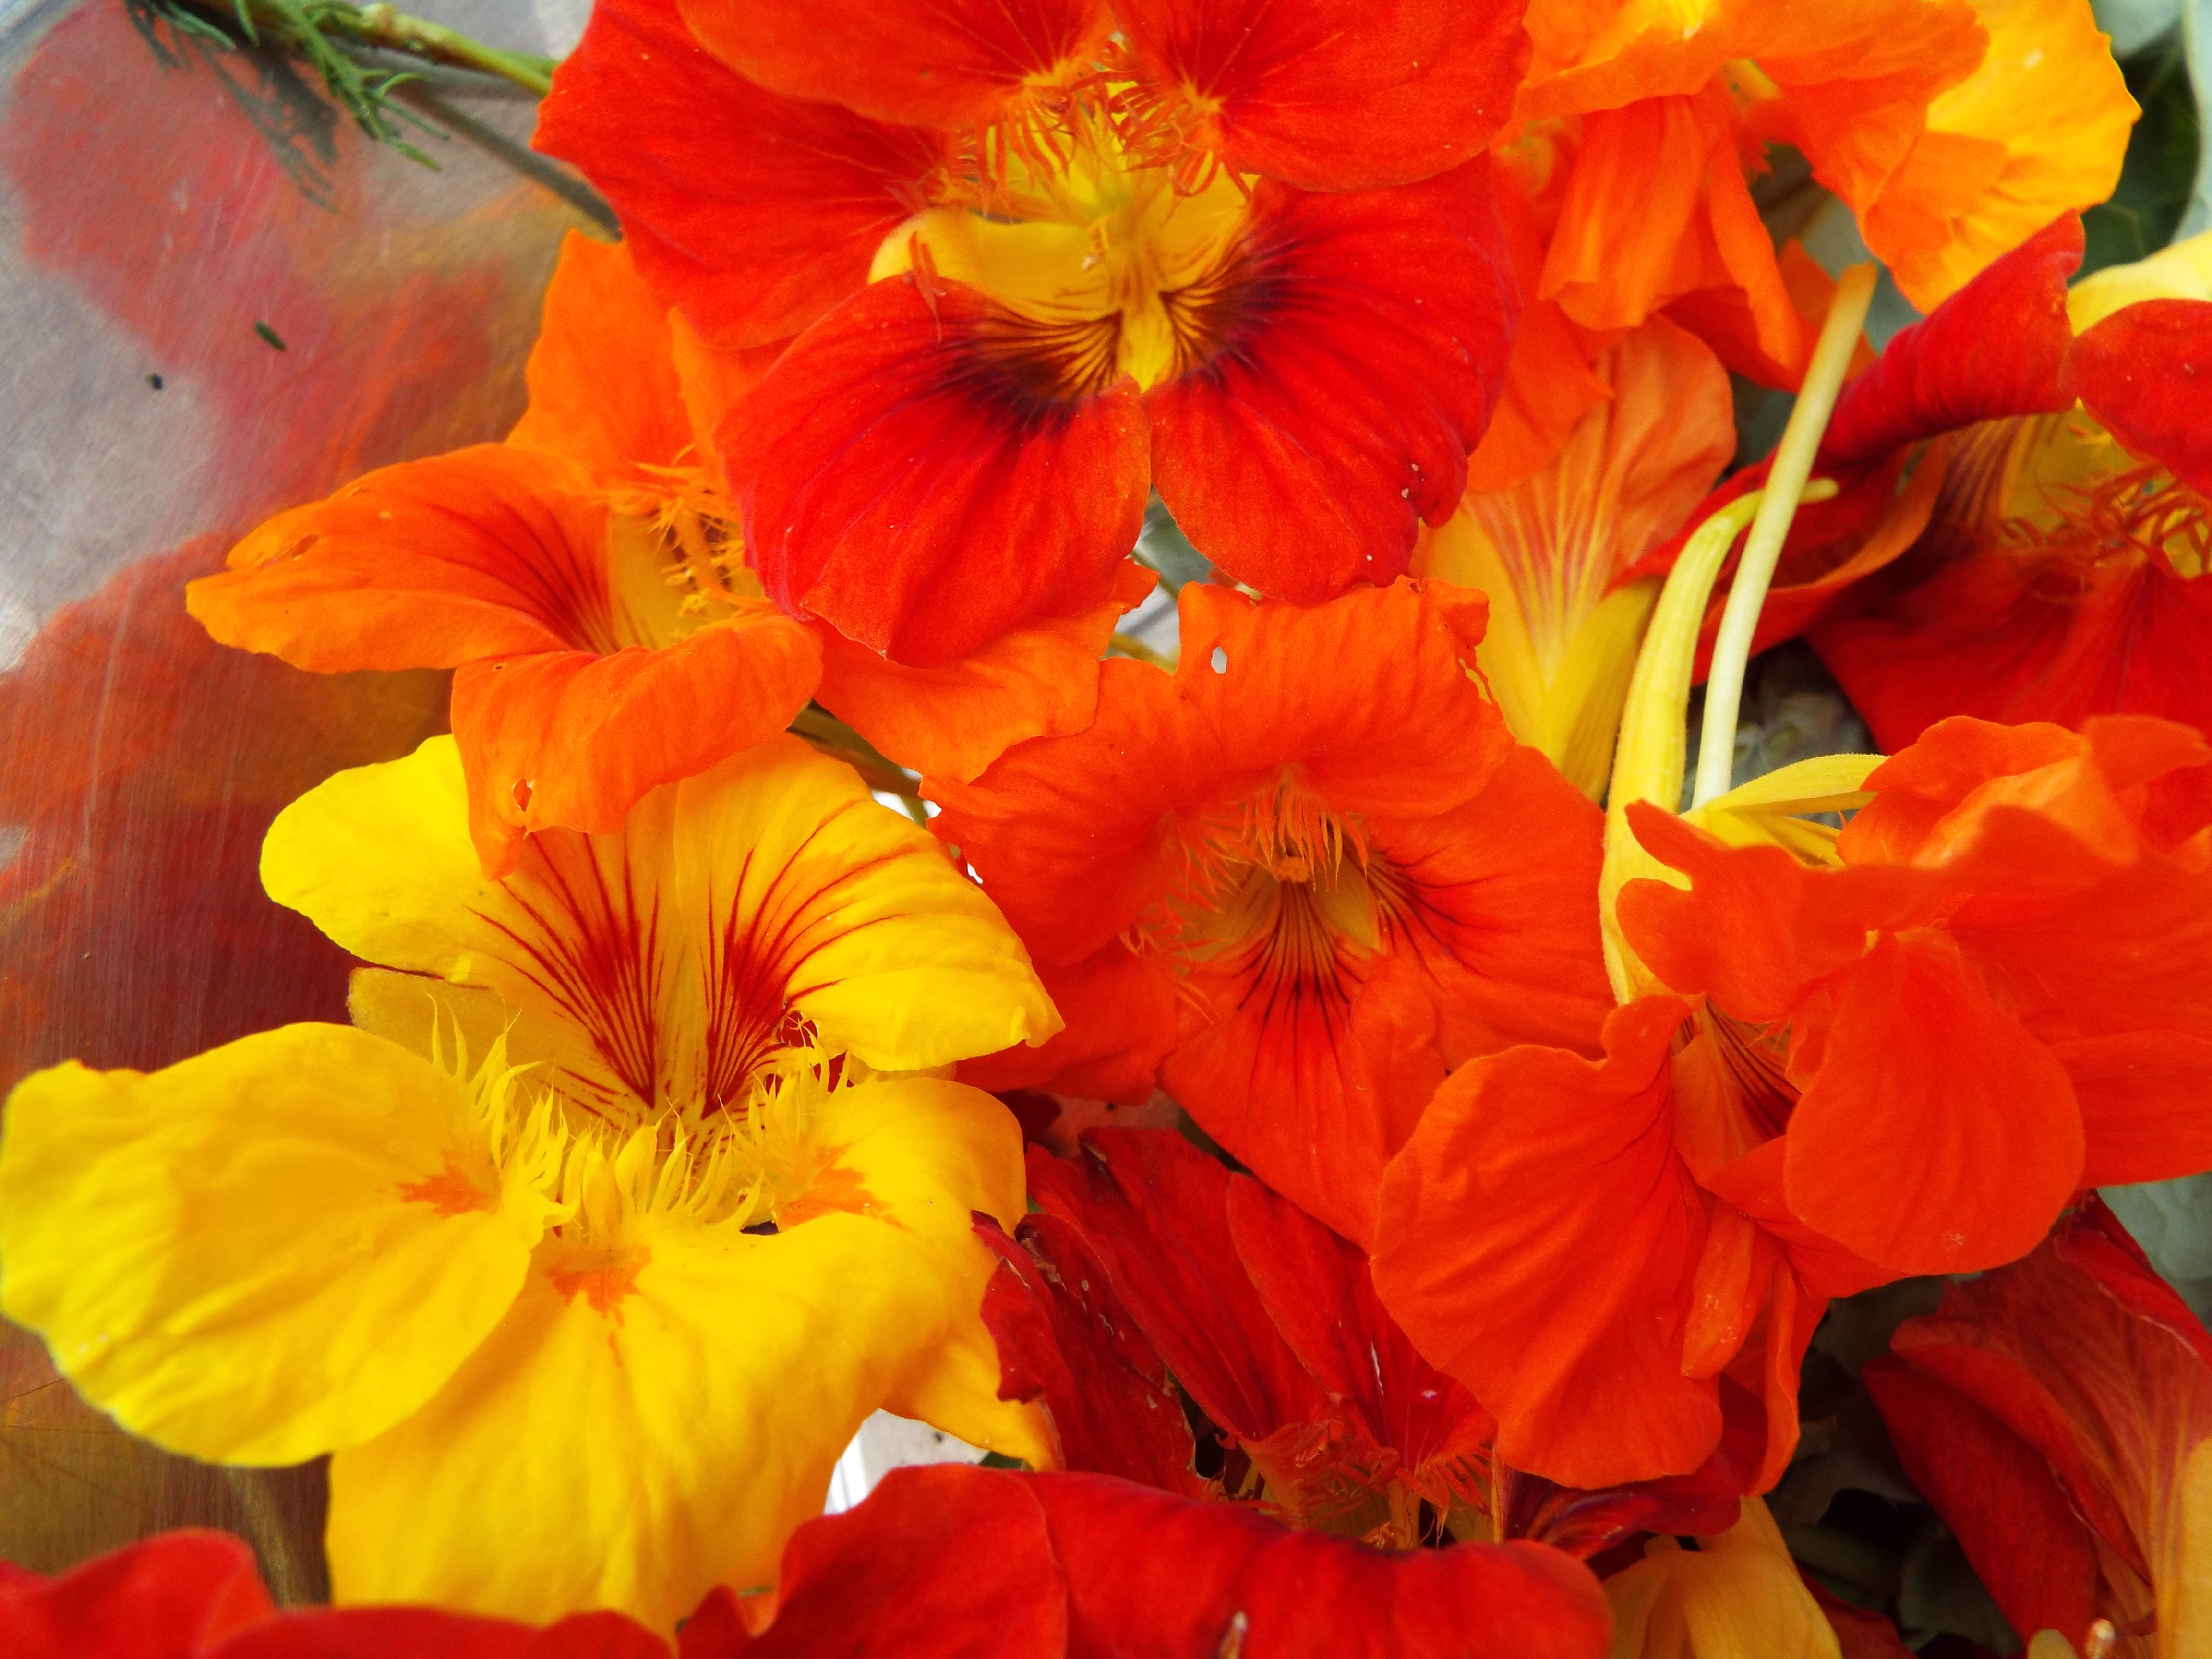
[912, 473]
[1994, 348]
[754, 213]
[2143, 372]
[951, 64]
[1357, 359]
[1332, 94]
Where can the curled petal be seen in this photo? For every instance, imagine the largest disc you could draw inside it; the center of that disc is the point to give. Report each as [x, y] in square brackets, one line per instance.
[2139, 372]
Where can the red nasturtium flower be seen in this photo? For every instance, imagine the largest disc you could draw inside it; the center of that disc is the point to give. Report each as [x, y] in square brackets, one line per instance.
[1293, 882]
[2057, 1412]
[1039, 259]
[583, 581]
[1909, 1058]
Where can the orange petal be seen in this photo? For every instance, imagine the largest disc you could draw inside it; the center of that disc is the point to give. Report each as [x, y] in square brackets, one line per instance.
[1120, 1014]
[574, 740]
[1529, 1167]
[603, 386]
[1936, 1136]
[1039, 679]
[483, 552]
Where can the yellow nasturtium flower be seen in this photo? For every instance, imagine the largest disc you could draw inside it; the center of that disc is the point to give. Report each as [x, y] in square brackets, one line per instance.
[586, 1323]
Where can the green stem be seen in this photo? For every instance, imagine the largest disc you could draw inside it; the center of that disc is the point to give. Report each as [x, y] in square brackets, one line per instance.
[386, 26]
[1129, 646]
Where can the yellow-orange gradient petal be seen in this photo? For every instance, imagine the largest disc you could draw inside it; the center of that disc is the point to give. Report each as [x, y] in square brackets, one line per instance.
[2038, 128]
[1561, 644]
[664, 1402]
[1737, 1595]
[276, 1248]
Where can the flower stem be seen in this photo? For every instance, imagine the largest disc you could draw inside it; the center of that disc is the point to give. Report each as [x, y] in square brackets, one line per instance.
[386, 26]
[1762, 548]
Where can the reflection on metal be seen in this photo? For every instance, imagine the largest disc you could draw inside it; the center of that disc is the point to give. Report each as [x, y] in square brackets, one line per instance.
[153, 208]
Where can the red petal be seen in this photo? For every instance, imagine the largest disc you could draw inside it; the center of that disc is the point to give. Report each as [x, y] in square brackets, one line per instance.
[1039, 680]
[1358, 366]
[1148, 1573]
[1120, 1014]
[430, 1633]
[573, 740]
[754, 213]
[1156, 1210]
[1936, 1136]
[1526, 1168]
[1996, 1494]
[1994, 348]
[2142, 1096]
[2142, 373]
[942, 1561]
[1316, 1288]
[1065, 1339]
[903, 478]
[961, 63]
[1337, 95]
[483, 552]
[169, 1597]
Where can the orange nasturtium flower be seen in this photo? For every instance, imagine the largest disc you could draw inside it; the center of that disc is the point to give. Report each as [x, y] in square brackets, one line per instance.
[1047, 258]
[584, 582]
[1295, 882]
[587, 1257]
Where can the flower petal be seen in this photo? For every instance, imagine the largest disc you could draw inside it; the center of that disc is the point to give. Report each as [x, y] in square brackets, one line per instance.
[1039, 679]
[483, 552]
[1336, 95]
[1360, 360]
[1120, 1014]
[905, 477]
[170, 1597]
[292, 1240]
[1735, 1596]
[956, 64]
[1936, 1136]
[2137, 372]
[666, 1400]
[1527, 1167]
[754, 212]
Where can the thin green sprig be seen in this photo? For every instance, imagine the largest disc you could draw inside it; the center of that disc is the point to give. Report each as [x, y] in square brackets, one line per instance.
[328, 33]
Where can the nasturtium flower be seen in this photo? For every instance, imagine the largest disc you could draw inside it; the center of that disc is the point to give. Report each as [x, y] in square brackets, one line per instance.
[1736, 1595]
[2057, 1413]
[587, 1316]
[585, 582]
[1296, 896]
[1917, 1039]
[1040, 261]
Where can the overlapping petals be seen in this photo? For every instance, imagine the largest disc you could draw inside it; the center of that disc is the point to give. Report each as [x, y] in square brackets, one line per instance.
[2056, 1412]
[1112, 274]
[1338, 887]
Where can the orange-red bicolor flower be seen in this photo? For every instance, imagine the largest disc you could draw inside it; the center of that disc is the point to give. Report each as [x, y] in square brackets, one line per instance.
[584, 582]
[1906, 1061]
[1295, 882]
[1048, 257]
[2058, 1414]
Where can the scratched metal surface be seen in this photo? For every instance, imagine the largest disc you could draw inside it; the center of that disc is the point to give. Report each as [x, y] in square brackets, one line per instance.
[157, 200]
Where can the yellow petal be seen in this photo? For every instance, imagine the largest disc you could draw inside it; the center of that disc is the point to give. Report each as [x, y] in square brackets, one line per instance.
[666, 1399]
[1735, 1596]
[2038, 128]
[2182, 271]
[1772, 809]
[661, 965]
[276, 1248]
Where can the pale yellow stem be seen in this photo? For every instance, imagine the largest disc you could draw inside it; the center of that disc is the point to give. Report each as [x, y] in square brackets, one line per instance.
[1785, 487]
